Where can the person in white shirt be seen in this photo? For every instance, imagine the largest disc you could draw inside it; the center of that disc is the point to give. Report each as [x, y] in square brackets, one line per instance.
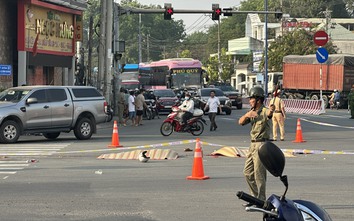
[188, 108]
[213, 104]
[131, 109]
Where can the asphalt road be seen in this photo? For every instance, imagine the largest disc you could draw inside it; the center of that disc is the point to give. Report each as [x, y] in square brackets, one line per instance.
[58, 180]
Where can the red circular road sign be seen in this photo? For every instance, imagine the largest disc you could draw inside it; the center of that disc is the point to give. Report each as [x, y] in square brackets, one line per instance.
[320, 38]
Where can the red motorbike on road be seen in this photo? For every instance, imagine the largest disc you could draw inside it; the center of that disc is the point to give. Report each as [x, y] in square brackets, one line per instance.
[195, 125]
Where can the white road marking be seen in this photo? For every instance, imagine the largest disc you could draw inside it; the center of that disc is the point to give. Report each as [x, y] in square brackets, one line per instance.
[9, 167]
[326, 124]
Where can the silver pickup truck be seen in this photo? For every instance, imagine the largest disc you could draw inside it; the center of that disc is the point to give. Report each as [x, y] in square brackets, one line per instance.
[50, 110]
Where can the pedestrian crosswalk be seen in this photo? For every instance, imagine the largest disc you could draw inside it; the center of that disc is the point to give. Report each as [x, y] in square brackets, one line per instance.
[16, 157]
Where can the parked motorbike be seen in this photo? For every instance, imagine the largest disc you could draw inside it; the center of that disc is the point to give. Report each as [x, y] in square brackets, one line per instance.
[280, 208]
[150, 110]
[109, 112]
[172, 123]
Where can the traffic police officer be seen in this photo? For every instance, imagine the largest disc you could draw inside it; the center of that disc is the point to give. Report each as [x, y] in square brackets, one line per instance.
[278, 116]
[259, 116]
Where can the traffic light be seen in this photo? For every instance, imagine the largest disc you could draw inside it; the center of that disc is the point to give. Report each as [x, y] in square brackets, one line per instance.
[278, 14]
[216, 12]
[168, 11]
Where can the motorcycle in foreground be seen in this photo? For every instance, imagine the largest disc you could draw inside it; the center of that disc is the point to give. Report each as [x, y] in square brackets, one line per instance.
[280, 208]
[172, 123]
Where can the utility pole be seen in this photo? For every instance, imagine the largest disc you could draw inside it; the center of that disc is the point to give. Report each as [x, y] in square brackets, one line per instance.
[140, 54]
[327, 14]
[108, 58]
[116, 72]
[101, 47]
[89, 59]
[219, 55]
[148, 47]
[266, 49]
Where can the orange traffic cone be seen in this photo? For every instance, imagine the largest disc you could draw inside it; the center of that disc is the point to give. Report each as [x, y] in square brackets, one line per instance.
[198, 170]
[298, 138]
[115, 136]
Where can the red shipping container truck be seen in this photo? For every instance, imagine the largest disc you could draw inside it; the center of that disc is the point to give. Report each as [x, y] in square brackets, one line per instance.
[301, 76]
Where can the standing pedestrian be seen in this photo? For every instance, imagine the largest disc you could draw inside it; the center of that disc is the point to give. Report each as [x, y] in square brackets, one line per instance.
[121, 105]
[351, 102]
[279, 116]
[131, 109]
[213, 104]
[140, 105]
[259, 116]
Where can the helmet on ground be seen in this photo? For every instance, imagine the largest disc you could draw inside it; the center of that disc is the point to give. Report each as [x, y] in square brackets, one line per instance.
[256, 92]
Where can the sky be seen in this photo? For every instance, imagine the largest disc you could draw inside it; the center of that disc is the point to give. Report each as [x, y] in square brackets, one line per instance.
[194, 22]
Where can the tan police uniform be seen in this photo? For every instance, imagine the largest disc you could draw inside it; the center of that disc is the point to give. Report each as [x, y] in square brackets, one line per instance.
[254, 171]
[278, 118]
[121, 107]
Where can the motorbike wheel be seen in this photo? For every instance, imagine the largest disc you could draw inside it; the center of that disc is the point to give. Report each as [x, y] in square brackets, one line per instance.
[110, 117]
[148, 114]
[197, 128]
[166, 129]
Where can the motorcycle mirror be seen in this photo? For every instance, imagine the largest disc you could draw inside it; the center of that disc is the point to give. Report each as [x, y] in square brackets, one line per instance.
[272, 158]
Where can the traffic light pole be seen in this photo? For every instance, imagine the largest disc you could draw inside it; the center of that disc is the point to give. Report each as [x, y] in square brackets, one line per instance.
[188, 11]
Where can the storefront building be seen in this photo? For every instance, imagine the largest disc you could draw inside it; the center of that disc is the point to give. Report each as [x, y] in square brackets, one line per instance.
[37, 43]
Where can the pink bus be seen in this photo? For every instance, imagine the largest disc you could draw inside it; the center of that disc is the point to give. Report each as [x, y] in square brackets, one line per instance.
[174, 73]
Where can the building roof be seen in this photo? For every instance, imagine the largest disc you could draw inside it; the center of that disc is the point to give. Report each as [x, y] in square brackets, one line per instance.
[254, 18]
[244, 46]
[323, 20]
[337, 32]
[80, 5]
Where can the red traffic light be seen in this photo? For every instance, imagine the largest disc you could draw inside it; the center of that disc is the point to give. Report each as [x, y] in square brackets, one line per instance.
[218, 11]
[169, 11]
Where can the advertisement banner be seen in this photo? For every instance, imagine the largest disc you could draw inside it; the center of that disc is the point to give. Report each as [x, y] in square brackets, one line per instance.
[55, 30]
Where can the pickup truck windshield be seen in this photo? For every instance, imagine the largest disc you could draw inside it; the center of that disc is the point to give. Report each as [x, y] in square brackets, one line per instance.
[13, 95]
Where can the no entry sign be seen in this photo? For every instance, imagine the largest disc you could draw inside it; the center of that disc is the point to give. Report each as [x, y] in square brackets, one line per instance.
[320, 38]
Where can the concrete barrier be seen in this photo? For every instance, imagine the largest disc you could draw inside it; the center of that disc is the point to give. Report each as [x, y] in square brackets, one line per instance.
[315, 107]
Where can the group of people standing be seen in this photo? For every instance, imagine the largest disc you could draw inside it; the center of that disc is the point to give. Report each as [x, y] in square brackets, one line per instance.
[133, 104]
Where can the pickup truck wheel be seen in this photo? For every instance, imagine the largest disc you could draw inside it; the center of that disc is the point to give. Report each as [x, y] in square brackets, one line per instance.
[83, 129]
[9, 132]
[51, 136]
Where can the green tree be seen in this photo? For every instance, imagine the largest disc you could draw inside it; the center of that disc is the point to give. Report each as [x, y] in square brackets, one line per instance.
[315, 9]
[196, 44]
[186, 54]
[213, 68]
[226, 66]
[298, 42]
[92, 11]
[160, 37]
